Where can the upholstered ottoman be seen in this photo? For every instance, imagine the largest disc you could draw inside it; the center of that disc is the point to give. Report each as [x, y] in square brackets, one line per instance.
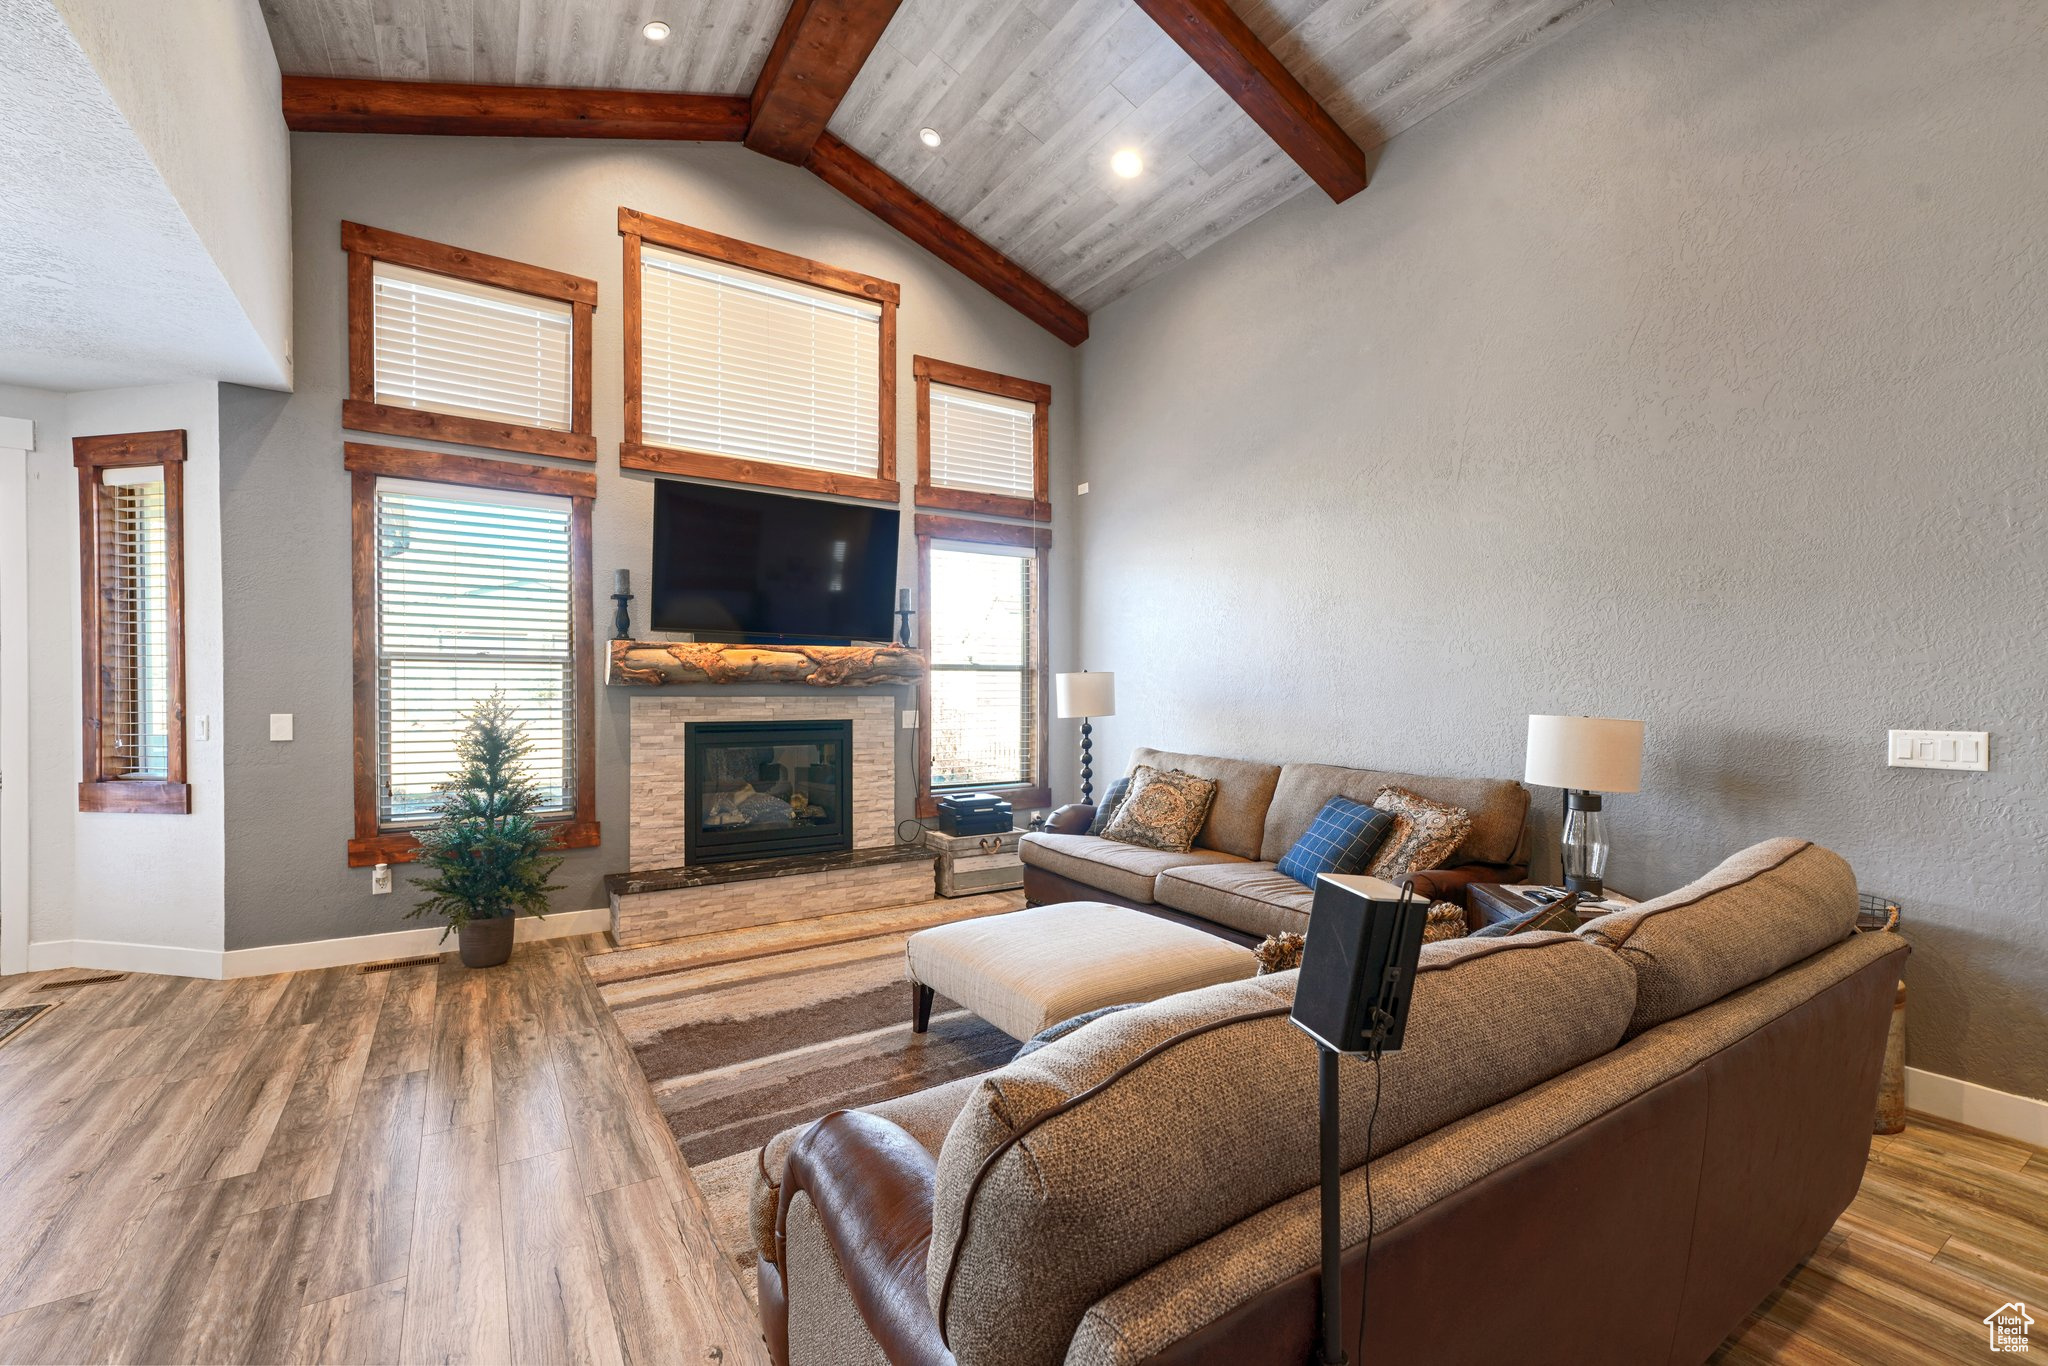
[1033, 968]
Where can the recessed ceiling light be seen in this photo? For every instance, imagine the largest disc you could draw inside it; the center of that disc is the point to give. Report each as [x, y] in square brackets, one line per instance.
[655, 32]
[1127, 163]
[929, 137]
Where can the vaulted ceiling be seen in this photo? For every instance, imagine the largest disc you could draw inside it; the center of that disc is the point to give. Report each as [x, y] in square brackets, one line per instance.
[1030, 98]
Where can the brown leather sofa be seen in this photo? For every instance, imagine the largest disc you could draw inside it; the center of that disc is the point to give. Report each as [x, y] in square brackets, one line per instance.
[1595, 1148]
[1227, 883]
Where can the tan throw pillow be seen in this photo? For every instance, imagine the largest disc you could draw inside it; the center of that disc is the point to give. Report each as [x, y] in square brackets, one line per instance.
[1163, 810]
[1446, 921]
[1425, 833]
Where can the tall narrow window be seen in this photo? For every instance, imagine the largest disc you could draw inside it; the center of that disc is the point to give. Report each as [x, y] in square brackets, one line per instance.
[982, 441]
[755, 366]
[463, 347]
[131, 520]
[983, 591]
[473, 578]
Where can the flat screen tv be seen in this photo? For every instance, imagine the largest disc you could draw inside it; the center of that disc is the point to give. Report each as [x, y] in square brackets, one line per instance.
[733, 564]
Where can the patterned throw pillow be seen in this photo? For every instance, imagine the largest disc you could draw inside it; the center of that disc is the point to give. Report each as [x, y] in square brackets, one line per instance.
[1446, 921]
[1163, 810]
[1339, 840]
[1111, 800]
[1425, 833]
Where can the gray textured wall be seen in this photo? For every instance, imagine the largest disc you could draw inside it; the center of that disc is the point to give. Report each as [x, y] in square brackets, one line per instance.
[284, 494]
[1696, 370]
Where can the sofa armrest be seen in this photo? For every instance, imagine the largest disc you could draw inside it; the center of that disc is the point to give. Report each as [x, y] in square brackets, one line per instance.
[1072, 819]
[1449, 884]
[872, 1186]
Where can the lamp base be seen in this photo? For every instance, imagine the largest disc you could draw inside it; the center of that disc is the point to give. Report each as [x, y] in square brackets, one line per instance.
[1586, 886]
[1087, 763]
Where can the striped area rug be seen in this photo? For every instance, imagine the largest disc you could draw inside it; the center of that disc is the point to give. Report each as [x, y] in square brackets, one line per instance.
[813, 1019]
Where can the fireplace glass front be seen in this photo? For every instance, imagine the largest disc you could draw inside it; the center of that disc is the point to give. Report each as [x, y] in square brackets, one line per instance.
[767, 789]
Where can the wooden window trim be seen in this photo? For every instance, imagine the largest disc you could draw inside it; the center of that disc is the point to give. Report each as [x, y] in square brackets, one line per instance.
[97, 791]
[634, 452]
[362, 413]
[579, 830]
[1032, 795]
[1036, 508]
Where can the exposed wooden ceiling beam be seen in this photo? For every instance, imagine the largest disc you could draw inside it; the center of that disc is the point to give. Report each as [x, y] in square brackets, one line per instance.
[321, 104]
[819, 50]
[1222, 45]
[903, 209]
[318, 104]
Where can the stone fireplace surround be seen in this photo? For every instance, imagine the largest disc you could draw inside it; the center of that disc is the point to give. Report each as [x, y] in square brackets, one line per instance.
[657, 812]
[660, 898]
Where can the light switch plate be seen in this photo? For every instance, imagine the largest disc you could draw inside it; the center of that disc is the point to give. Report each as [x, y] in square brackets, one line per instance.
[1080, 488]
[280, 725]
[910, 719]
[1968, 750]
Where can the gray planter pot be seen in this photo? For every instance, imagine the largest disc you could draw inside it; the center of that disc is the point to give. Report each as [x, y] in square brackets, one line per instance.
[485, 943]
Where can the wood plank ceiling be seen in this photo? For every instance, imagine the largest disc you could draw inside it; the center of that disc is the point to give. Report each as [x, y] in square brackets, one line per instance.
[1031, 97]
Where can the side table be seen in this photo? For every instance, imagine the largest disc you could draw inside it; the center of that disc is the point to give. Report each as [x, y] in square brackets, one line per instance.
[1489, 903]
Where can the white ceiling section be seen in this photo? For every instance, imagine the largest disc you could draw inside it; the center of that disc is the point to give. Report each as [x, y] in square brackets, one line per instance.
[1031, 97]
[716, 47]
[104, 279]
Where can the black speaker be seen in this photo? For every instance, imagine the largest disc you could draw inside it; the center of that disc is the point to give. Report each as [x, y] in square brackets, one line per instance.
[1358, 966]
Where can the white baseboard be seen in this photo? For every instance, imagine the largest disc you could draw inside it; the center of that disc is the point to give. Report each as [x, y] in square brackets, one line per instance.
[379, 948]
[105, 956]
[1965, 1102]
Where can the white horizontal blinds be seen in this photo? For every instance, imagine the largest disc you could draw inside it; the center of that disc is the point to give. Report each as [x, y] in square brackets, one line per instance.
[453, 346]
[474, 594]
[983, 443]
[735, 362]
[135, 625]
[984, 713]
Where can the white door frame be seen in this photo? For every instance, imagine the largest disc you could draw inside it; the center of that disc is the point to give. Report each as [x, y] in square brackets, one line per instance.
[17, 439]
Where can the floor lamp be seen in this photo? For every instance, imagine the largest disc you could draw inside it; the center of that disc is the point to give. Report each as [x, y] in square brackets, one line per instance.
[1084, 695]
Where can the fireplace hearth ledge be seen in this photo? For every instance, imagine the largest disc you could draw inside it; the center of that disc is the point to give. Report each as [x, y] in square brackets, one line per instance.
[752, 870]
[656, 904]
[665, 663]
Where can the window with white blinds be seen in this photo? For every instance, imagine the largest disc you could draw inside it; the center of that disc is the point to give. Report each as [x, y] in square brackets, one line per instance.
[474, 596]
[984, 667]
[472, 350]
[135, 641]
[739, 363]
[983, 443]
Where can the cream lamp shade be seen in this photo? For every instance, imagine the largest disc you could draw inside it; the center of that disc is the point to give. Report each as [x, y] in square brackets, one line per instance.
[1585, 753]
[1084, 694]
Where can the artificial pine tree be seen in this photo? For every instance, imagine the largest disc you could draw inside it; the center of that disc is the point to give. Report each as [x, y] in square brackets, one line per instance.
[489, 855]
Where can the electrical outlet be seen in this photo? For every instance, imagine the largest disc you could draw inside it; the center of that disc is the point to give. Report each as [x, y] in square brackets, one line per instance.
[380, 880]
[1969, 750]
[910, 719]
[280, 725]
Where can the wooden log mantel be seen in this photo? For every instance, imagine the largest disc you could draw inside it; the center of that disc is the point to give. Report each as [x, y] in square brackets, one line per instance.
[658, 663]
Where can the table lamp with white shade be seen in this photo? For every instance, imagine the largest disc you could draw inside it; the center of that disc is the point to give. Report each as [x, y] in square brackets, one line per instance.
[1084, 695]
[1587, 756]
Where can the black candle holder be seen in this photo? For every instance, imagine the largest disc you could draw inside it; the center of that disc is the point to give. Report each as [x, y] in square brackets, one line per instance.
[622, 620]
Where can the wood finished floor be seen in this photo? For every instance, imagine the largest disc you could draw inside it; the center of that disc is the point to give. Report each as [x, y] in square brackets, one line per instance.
[424, 1164]
[430, 1164]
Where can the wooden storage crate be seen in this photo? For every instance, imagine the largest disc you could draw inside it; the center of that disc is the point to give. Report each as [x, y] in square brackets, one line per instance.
[972, 864]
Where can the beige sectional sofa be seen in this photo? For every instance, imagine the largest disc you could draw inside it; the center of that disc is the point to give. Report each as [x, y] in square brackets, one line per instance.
[1596, 1148]
[1228, 883]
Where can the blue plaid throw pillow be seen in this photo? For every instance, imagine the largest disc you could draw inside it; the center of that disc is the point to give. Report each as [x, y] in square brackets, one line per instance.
[1339, 840]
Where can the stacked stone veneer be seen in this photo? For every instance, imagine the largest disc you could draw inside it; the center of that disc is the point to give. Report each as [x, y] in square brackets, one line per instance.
[658, 810]
[658, 813]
